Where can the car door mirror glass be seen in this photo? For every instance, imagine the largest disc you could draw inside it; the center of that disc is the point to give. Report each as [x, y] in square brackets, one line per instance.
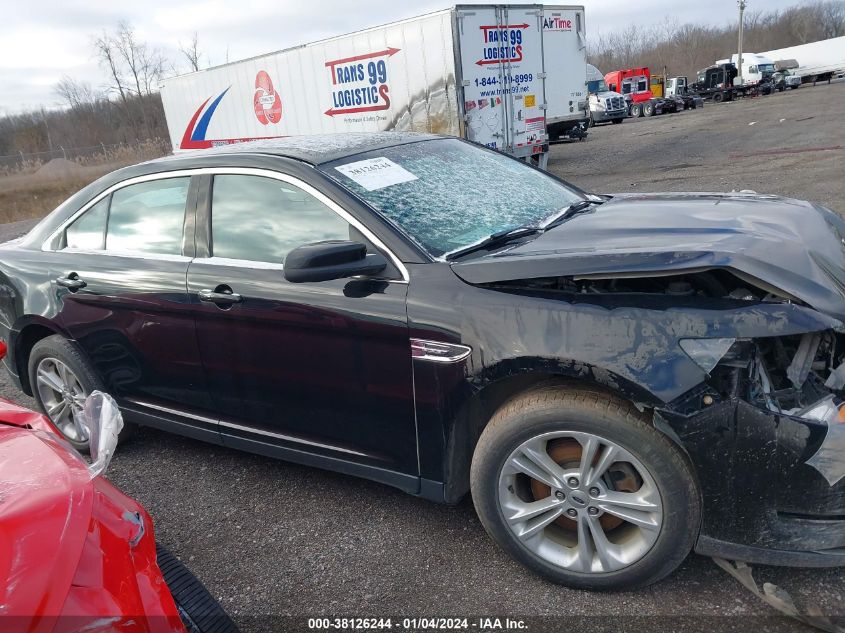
[332, 259]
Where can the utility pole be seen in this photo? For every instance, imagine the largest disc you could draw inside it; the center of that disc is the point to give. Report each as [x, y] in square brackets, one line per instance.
[741, 4]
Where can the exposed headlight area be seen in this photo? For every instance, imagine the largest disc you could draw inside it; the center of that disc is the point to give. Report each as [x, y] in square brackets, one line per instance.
[790, 375]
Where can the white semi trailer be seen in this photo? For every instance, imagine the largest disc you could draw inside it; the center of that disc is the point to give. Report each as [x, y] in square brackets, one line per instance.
[817, 61]
[471, 71]
[565, 56]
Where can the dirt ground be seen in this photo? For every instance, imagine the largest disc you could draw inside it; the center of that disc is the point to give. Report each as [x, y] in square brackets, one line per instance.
[790, 143]
[273, 539]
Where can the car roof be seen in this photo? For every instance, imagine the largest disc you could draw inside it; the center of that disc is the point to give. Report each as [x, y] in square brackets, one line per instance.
[314, 149]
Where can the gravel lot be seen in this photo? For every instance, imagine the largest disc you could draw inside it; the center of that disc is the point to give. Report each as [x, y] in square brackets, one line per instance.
[271, 538]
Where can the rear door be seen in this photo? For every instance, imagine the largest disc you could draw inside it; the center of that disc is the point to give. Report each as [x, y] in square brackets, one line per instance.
[119, 273]
[500, 49]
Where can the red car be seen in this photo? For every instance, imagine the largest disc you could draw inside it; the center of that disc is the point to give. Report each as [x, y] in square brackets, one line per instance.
[78, 554]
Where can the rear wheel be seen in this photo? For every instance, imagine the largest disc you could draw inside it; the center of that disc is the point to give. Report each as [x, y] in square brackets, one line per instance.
[648, 109]
[636, 110]
[61, 380]
[580, 488]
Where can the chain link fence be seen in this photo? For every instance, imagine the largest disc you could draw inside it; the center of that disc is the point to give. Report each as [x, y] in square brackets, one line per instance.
[90, 155]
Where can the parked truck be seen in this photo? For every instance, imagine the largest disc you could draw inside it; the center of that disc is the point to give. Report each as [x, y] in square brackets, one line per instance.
[756, 68]
[635, 85]
[471, 71]
[816, 61]
[716, 82]
[605, 105]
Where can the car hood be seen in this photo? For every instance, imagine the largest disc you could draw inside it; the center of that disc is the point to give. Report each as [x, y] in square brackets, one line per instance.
[45, 506]
[778, 244]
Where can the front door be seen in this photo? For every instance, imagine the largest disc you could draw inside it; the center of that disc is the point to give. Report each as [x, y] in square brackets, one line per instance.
[323, 368]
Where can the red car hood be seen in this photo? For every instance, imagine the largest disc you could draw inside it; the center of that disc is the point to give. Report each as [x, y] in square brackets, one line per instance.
[46, 496]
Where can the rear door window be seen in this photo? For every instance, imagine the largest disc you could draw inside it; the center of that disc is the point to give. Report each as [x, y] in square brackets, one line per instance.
[148, 217]
[88, 231]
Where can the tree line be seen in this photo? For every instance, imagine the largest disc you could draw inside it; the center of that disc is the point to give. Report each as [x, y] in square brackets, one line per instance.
[683, 49]
[126, 110]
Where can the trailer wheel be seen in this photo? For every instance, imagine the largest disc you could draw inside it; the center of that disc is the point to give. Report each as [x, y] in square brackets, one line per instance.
[718, 97]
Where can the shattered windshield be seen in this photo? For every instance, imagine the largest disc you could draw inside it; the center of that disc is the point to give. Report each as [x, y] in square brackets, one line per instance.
[446, 194]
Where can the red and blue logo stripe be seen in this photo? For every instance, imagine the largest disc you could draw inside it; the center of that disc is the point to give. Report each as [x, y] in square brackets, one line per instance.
[197, 129]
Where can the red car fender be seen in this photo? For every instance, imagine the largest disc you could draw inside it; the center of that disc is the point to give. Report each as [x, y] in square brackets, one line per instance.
[75, 552]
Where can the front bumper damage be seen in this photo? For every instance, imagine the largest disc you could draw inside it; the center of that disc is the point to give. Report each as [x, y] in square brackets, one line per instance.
[768, 442]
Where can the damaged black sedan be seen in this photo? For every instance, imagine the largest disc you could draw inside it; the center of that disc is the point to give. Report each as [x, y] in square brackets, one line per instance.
[617, 380]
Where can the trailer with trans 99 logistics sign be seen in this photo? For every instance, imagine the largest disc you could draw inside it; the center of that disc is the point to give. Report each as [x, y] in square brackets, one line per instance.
[474, 71]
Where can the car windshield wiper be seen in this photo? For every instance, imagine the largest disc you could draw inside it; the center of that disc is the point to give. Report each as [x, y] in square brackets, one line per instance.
[496, 239]
[575, 208]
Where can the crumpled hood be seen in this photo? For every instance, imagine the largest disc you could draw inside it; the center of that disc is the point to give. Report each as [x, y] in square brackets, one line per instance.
[45, 506]
[775, 243]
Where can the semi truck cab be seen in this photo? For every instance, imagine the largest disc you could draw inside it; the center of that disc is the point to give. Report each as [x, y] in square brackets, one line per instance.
[605, 105]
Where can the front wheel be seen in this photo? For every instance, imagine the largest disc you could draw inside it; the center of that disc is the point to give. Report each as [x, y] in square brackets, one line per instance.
[578, 486]
[617, 121]
[199, 611]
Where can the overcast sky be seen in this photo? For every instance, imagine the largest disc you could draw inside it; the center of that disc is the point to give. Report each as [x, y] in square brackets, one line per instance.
[40, 41]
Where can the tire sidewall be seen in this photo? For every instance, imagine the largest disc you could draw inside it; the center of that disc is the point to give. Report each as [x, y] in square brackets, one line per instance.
[677, 492]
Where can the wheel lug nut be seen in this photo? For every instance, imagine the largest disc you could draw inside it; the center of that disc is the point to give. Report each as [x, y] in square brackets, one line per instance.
[573, 481]
[594, 492]
[572, 512]
[559, 494]
[593, 511]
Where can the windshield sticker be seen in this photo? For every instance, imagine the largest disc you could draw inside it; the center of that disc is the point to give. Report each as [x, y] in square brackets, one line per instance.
[376, 173]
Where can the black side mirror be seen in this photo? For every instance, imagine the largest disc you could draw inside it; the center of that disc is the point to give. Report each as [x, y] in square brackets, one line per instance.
[336, 259]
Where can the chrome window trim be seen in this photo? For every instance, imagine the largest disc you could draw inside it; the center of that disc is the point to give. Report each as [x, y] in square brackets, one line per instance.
[165, 257]
[49, 243]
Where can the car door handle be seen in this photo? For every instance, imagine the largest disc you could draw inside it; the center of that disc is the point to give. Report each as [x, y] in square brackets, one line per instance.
[72, 282]
[219, 297]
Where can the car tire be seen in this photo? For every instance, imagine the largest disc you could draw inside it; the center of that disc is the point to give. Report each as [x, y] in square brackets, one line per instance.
[583, 412]
[56, 356]
[199, 611]
[617, 121]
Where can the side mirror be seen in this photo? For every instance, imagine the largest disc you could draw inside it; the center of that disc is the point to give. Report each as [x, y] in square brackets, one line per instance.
[336, 259]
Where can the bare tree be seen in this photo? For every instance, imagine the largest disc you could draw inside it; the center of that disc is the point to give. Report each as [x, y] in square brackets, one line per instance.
[106, 51]
[76, 94]
[191, 52]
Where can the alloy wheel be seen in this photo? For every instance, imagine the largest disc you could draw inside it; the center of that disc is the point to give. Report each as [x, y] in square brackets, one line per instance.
[63, 397]
[580, 502]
